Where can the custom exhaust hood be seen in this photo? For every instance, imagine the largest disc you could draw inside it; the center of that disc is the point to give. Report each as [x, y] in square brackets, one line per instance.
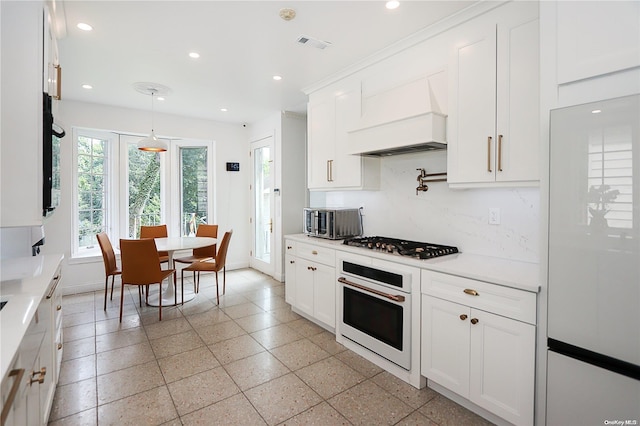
[402, 120]
[424, 132]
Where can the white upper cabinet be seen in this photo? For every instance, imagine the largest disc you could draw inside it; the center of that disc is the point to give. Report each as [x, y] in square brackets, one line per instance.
[605, 39]
[51, 72]
[21, 86]
[321, 141]
[494, 100]
[331, 113]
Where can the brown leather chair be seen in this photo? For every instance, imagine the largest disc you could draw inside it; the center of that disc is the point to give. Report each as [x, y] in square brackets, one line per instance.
[141, 267]
[211, 266]
[157, 231]
[203, 253]
[110, 267]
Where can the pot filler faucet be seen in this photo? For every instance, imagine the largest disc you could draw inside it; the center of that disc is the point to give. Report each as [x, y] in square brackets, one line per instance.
[425, 177]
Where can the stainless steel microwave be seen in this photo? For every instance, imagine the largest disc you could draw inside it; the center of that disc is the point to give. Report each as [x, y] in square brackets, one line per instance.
[333, 224]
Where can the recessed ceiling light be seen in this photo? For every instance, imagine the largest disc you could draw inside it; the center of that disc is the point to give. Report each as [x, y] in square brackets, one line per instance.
[160, 98]
[277, 77]
[223, 109]
[84, 27]
[393, 4]
[87, 86]
[194, 55]
[596, 111]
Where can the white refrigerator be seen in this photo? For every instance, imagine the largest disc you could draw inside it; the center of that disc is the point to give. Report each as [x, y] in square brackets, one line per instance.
[593, 356]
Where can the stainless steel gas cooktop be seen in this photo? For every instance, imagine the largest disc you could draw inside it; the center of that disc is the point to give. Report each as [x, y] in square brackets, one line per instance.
[415, 249]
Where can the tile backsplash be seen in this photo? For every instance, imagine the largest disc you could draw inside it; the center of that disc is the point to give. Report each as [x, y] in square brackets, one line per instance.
[442, 215]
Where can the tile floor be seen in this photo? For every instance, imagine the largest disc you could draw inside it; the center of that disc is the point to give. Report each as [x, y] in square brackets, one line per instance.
[250, 361]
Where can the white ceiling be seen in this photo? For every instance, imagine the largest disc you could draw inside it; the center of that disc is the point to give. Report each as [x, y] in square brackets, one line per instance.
[242, 45]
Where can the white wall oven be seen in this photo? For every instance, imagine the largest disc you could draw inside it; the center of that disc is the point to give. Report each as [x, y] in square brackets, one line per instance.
[375, 310]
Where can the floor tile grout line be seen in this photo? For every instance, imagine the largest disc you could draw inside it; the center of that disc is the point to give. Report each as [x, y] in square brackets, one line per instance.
[245, 332]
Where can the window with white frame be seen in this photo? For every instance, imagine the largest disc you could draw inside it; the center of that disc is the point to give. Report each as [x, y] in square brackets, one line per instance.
[93, 152]
[118, 188]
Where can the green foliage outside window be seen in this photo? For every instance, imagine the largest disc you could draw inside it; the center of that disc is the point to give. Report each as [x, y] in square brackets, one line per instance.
[194, 188]
[144, 189]
[91, 190]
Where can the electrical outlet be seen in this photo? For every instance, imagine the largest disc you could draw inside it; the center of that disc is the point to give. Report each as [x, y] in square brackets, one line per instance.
[494, 216]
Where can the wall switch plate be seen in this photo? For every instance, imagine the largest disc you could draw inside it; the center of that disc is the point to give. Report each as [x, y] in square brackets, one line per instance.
[494, 216]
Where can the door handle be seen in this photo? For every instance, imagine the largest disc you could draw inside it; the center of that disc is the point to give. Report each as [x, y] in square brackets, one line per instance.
[489, 154]
[499, 153]
[394, 297]
[330, 170]
[6, 408]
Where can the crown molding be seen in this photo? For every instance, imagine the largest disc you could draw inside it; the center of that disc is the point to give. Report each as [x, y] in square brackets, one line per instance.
[431, 31]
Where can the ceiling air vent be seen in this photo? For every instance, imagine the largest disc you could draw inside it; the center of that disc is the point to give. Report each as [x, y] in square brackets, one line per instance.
[310, 41]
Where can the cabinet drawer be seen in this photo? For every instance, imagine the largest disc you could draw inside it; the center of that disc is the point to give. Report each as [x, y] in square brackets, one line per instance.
[290, 247]
[318, 254]
[500, 300]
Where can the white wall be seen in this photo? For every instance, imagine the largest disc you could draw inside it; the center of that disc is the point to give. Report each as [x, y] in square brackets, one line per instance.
[230, 192]
[442, 215]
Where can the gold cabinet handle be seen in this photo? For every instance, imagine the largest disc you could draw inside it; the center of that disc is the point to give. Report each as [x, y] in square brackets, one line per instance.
[59, 346]
[6, 408]
[471, 292]
[330, 165]
[474, 320]
[463, 317]
[59, 307]
[489, 154]
[40, 374]
[499, 153]
[314, 252]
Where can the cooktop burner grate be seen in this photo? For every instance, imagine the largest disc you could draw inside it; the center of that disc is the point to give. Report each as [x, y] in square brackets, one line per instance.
[415, 249]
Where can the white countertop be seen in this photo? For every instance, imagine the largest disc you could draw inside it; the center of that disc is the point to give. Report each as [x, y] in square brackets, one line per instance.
[505, 272]
[23, 283]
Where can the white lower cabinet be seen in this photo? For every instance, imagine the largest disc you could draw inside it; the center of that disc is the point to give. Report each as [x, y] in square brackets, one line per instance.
[290, 279]
[315, 292]
[310, 282]
[486, 358]
[28, 389]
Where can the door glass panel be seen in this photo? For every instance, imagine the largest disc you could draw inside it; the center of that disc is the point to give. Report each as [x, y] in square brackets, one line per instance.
[193, 189]
[262, 184]
[378, 318]
[144, 189]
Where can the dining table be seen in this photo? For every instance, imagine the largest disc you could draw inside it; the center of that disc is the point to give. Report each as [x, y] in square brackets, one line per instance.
[172, 245]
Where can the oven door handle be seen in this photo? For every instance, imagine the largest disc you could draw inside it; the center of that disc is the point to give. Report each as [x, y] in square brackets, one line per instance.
[394, 297]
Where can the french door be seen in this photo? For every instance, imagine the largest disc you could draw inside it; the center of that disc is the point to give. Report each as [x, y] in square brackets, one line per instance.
[262, 219]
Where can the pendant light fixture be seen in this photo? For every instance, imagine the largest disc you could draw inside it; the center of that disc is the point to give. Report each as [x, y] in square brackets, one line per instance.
[151, 143]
